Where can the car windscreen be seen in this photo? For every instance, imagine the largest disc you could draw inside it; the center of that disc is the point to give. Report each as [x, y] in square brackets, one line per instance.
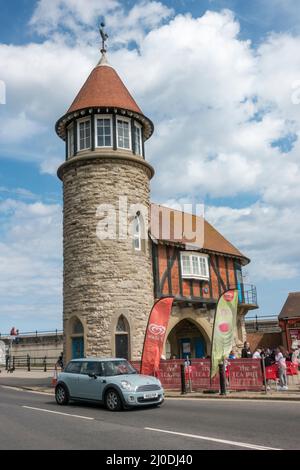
[112, 368]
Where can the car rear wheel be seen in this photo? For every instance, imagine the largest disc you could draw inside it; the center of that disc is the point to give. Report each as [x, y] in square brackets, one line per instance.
[61, 395]
[113, 401]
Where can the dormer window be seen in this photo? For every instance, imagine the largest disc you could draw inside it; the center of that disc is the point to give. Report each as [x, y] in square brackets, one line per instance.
[194, 265]
[138, 138]
[104, 131]
[84, 137]
[123, 133]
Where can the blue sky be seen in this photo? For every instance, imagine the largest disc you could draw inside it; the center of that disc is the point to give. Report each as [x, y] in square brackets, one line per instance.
[232, 103]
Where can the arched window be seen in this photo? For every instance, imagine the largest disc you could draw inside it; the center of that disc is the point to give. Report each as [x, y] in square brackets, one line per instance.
[121, 326]
[77, 327]
[137, 233]
[122, 338]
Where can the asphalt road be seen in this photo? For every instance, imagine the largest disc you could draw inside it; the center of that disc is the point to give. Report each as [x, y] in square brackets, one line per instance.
[33, 421]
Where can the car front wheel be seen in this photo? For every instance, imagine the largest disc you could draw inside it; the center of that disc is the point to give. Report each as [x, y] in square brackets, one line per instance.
[61, 395]
[113, 401]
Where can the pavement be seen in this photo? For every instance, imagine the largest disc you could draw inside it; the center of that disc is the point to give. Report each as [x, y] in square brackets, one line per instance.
[41, 381]
[34, 421]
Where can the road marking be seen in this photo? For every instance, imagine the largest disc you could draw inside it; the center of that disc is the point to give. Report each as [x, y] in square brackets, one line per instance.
[57, 412]
[17, 389]
[213, 439]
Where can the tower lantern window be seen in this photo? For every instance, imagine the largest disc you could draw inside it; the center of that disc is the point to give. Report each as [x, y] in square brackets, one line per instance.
[70, 141]
[138, 139]
[104, 132]
[84, 134]
[123, 130]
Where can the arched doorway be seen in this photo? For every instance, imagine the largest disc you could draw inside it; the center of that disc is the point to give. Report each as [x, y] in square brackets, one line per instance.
[186, 339]
[77, 338]
[122, 338]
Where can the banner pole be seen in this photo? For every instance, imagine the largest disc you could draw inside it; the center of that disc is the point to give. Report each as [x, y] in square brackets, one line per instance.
[222, 378]
[264, 373]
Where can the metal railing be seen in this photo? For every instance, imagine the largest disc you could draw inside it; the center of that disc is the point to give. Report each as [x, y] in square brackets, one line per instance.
[249, 294]
[262, 322]
[28, 362]
[35, 333]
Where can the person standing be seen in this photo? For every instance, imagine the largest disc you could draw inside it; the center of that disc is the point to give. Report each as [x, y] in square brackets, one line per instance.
[246, 351]
[60, 361]
[232, 355]
[295, 355]
[257, 354]
[281, 362]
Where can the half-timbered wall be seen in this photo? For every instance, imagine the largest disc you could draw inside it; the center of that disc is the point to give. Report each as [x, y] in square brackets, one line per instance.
[168, 279]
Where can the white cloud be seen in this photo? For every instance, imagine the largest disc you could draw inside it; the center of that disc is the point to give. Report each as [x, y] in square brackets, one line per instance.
[30, 258]
[267, 234]
[217, 103]
[19, 128]
[48, 16]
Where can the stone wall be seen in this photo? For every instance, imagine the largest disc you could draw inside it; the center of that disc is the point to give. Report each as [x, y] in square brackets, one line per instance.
[104, 279]
[262, 339]
[37, 346]
[203, 320]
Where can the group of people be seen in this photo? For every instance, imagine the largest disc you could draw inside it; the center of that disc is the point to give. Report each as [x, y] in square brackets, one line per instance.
[278, 356]
[15, 333]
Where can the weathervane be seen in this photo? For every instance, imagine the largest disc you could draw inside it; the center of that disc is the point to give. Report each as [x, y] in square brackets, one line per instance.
[104, 37]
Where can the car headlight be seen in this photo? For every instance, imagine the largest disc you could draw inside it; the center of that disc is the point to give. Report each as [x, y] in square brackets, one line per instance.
[127, 385]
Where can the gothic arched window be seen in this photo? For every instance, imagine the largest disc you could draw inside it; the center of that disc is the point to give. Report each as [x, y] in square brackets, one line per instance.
[77, 327]
[122, 338]
[121, 325]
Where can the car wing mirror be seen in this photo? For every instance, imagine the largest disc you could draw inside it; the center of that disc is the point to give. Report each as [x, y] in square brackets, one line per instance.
[92, 376]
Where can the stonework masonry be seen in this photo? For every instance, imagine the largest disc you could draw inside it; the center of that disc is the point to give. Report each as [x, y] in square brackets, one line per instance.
[104, 279]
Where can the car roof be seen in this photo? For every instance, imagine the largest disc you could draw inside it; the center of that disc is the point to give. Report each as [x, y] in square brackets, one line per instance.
[98, 359]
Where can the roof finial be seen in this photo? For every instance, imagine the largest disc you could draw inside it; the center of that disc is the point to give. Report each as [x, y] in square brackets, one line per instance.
[104, 37]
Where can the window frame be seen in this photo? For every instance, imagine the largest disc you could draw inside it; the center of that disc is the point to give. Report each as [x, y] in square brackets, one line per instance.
[192, 274]
[80, 121]
[140, 127]
[70, 137]
[137, 236]
[128, 120]
[103, 116]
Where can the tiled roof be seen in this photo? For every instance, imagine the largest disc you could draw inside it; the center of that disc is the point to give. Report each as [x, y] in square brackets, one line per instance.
[104, 88]
[291, 308]
[207, 237]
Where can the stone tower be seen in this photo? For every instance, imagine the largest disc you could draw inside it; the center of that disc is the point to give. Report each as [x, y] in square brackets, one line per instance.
[108, 284]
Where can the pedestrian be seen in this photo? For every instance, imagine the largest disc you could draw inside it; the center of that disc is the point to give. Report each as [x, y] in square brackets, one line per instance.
[232, 355]
[246, 351]
[257, 354]
[268, 358]
[187, 362]
[13, 331]
[17, 339]
[295, 355]
[60, 361]
[281, 362]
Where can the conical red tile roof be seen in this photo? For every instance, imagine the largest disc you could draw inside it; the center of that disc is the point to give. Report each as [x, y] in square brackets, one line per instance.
[104, 88]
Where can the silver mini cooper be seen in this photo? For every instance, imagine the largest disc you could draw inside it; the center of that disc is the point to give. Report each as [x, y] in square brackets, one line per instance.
[112, 381]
